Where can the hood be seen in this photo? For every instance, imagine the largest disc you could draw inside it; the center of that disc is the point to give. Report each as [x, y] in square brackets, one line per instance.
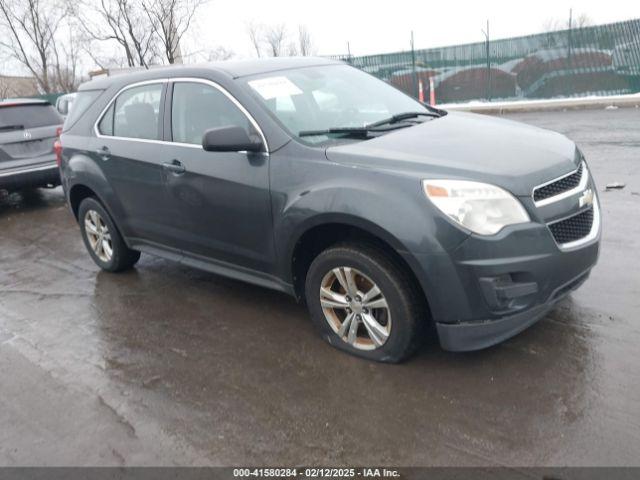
[467, 146]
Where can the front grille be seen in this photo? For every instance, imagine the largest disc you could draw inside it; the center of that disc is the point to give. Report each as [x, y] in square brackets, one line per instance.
[572, 228]
[559, 186]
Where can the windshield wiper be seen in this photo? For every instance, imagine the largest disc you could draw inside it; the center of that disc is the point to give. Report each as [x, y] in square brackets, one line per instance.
[399, 117]
[370, 127]
[11, 127]
[350, 131]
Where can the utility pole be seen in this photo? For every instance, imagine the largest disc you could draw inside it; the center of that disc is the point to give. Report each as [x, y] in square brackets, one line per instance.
[413, 68]
[486, 34]
[569, 35]
[348, 52]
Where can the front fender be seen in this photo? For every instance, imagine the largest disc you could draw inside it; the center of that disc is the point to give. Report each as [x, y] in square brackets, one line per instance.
[311, 192]
[341, 219]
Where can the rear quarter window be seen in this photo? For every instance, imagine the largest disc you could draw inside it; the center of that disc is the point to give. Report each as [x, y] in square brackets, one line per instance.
[81, 104]
[29, 116]
[105, 127]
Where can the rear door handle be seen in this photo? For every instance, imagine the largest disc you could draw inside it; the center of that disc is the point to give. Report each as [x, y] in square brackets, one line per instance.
[175, 166]
[104, 153]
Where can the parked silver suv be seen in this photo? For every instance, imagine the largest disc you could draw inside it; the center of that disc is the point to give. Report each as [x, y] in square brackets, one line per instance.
[29, 129]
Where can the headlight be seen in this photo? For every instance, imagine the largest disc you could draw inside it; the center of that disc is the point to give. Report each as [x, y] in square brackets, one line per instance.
[482, 208]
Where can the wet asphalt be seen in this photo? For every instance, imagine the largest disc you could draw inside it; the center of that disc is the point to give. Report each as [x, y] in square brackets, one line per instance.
[166, 365]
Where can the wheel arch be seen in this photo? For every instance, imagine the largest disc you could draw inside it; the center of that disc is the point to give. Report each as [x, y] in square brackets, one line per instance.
[77, 193]
[81, 190]
[327, 230]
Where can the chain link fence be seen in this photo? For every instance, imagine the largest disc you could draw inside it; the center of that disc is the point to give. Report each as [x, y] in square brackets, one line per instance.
[598, 60]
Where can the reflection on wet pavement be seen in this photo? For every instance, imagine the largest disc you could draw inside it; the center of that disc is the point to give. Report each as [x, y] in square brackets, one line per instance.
[169, 365]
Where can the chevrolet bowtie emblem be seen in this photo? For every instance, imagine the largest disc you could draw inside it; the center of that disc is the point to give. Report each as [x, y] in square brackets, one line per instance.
[586, 198]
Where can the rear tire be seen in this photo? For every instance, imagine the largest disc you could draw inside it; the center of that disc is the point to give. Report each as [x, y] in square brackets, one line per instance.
[381, 298]
[102, 238]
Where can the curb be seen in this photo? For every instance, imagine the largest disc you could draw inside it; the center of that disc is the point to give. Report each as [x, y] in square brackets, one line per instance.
[632, 101]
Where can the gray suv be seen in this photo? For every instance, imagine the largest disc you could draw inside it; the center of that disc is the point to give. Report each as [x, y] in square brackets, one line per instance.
[392, 220]
[29, 129]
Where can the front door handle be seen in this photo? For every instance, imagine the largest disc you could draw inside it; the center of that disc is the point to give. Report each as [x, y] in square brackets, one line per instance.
[104, 153]
[175, 166]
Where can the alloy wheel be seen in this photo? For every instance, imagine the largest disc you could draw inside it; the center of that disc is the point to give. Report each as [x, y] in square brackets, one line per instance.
[98, 235]
[355, 308]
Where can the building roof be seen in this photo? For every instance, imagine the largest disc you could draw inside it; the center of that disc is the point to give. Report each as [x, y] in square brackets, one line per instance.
[17, 86]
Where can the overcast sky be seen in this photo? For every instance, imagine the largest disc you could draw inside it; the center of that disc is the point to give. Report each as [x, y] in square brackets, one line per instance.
[376, 26]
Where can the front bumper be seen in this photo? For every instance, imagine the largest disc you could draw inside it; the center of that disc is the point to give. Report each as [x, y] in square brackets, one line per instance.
[489, 289]
[467, 336]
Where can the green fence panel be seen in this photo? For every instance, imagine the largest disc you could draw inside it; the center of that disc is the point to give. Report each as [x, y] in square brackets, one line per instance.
[577, 62]
[49, 97]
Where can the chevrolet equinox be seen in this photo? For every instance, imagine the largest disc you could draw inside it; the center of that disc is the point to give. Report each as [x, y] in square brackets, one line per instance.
[391, 219]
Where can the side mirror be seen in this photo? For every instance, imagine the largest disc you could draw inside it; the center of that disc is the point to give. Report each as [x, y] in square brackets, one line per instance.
[229, 139]
[63, 107]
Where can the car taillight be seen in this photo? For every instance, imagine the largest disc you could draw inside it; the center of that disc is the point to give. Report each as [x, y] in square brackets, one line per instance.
[57, 147]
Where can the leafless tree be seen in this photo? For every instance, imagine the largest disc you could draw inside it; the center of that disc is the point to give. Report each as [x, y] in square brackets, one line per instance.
[170, 20]
[551, 25]
[579, 21]
[292, 49]
[305, 44]
[124, 22]
[274, 37]
[66, 77]
[274, 40]
[28, 33]
[254, 30]
[220, 53]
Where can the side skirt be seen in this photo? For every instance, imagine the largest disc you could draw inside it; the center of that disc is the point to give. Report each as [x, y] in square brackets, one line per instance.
[217, 267]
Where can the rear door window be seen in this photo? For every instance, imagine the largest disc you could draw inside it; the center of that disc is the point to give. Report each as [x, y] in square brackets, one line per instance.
[135, 113]
[18, 117]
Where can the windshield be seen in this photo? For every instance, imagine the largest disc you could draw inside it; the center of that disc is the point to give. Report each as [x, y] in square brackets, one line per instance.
[329, 97]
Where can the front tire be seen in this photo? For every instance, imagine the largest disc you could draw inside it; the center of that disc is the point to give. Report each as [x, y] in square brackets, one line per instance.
[365, 303]
[102, 239]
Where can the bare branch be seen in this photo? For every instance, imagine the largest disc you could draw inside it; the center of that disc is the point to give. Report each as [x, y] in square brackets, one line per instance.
[123, 24]
[305, 44]
[275, 37]
[219, 54]
[254, 31]
[582, 20]
[292, 49]
[579, 21]
[29, 31]
[169, 20]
